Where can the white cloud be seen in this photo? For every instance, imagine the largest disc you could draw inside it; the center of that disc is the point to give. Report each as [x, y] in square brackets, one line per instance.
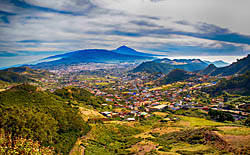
[63, 5]
[231, 14]
[54, 31]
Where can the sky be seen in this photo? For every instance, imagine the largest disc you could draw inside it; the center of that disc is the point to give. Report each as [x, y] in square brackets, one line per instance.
[209, 29]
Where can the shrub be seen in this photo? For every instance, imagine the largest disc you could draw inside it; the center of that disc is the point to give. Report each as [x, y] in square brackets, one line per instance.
[12, 145]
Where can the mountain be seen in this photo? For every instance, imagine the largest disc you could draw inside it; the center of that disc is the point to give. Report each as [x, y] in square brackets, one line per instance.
[21, 74]
[153, 67]
[129, 51]
[90, 56]
[95, 55]
[239, 67]
[185, 64]
[210, 68]
[218, 63]
[176, 75]
[166, 65]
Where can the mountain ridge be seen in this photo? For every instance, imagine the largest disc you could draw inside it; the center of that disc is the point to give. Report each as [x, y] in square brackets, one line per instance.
[239, 67]
[91, 56]
[130, 51]
[166, 65]
[21, 74]
[218, 63]
[176, 75]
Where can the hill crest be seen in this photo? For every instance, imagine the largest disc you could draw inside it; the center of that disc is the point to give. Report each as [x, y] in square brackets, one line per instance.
[239, 67]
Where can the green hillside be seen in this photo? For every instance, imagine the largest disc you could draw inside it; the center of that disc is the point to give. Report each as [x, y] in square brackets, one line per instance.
[41, 116]
[208, 70]
[176, 75]
[153, 67]
[28, 72]
[166, 65]
[79, 97]
[22, 74]
[237, 85]
[13, 77]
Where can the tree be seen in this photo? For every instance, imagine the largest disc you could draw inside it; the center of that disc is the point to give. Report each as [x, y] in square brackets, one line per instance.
[247, 122]
[220, 116]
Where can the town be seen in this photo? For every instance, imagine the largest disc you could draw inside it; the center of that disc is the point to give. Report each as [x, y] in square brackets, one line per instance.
[140, 93]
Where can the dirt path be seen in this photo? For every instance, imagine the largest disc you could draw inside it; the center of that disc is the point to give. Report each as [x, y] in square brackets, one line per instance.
[77, 150]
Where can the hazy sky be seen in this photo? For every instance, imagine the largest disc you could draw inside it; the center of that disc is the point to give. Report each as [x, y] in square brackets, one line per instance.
[34, 29]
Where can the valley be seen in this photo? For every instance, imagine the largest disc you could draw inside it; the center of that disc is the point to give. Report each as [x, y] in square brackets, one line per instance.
[124, 77]
[128, 112]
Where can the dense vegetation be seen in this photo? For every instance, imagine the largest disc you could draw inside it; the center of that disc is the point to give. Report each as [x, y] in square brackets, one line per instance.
[111, 139]
[153, 67]
[41, 116]
[237, 85]
[4, 84]
[176, 75]
[28, 72]
[166, 65]
[21, 74]
[220, 116]
[13, 145]
[208, 70]
[80, 97]
[247, 122]
[12, 77]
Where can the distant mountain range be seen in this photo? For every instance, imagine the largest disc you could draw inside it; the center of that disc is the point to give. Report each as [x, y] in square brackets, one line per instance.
[166, 65]
[219, 63]
[195, 65]
[239, 67]
[119, 55]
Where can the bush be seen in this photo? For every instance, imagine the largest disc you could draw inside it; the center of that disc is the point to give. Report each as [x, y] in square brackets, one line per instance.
[247, 122]
[191, 136]
[12, 145]
[165, 148]
[28, 123]
[155, 134]
[220, 116]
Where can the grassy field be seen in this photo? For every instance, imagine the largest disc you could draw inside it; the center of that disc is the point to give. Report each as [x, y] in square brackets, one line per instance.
[185, 147]
[238, 131]
[169, 86]
[144, 137]
[89, 114]
[100, 83]
[163, 114]
[198, 122]
[89, 78]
